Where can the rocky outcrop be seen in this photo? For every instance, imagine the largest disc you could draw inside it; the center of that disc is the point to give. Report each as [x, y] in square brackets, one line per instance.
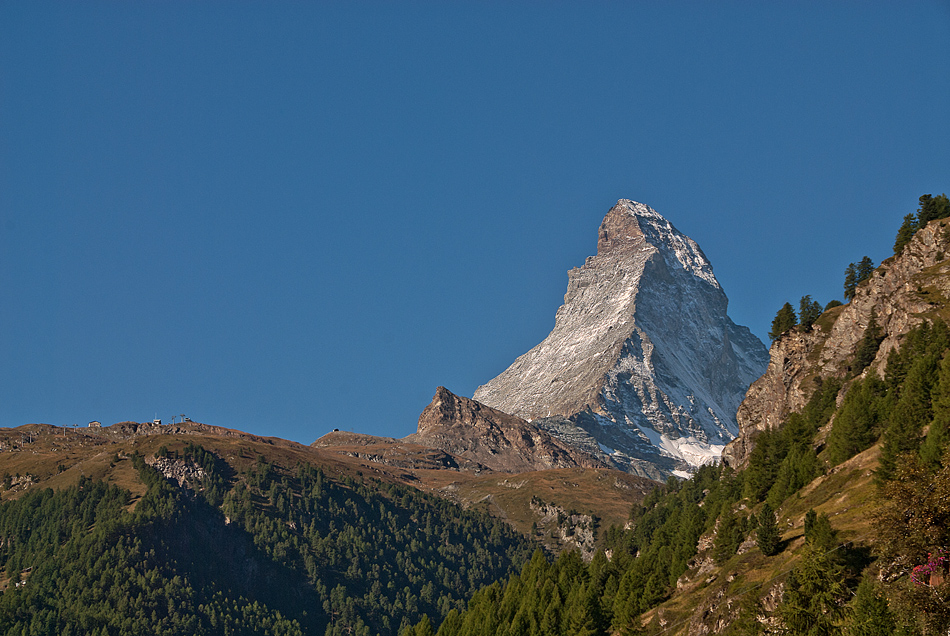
[499, 441]
[903, 292]
[390, 451]
[186, 473]
[642, 357]
[572, 530]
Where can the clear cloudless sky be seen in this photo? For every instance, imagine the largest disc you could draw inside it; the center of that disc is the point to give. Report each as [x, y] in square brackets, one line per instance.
[289, 217]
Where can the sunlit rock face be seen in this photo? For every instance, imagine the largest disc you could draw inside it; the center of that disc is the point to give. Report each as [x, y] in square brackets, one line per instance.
[903, 292]
[643, 361]
[493, 439]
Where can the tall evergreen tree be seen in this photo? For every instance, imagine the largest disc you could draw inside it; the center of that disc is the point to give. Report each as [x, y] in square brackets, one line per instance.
[870, 614]
[424, 627]
[808, 312]
[768, 537]
[585, 616]
[868, 346]
[810, 517]
[864, 270]
[910, 414]
[626, 607]
[812, 603]
[819, 532]
[784, 320]
[858, 423]
[850, 281]
[932, 207]
[905, 233]
[728, 536]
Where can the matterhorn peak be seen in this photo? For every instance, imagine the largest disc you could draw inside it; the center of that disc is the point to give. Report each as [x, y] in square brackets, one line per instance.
[628, 224]
[642, 357]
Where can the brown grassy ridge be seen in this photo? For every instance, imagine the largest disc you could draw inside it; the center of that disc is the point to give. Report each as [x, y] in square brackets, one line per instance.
[47, 456]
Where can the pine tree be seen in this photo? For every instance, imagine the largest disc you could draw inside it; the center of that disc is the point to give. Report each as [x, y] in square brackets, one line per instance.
[809, 311]
[867, 348]
[850, 281]
[424, 627]
[585, 616]
[810, 517]
[819, 532]
[858, 423]
[906, 232]
[768, 537]
[870, 614]
[764, 461]
[784, 320]
[552, 617]
[728, 536]
[811, 605]
[932, 207]
[864, 270]
[626, 607]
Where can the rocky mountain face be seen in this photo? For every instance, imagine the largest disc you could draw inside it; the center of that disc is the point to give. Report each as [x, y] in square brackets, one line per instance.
[903, 291]
[643, 363]
[492, 439]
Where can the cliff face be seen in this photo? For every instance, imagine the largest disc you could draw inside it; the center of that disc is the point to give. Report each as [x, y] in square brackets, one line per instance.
[642, 357]
[496, 440]
[903, 292]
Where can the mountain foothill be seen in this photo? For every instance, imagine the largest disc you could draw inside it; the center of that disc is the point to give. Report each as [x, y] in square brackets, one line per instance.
[650, 467]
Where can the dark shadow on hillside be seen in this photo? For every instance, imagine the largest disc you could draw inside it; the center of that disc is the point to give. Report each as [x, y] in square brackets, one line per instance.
[856, 558]
[216, 556]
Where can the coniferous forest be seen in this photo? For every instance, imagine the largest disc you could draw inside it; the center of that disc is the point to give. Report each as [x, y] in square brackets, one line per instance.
[282, 554]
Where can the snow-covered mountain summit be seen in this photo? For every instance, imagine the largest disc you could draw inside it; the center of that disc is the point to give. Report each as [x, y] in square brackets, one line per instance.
[643, 364]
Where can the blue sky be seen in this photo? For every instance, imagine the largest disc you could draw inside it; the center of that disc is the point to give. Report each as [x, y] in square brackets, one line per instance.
[292, 217]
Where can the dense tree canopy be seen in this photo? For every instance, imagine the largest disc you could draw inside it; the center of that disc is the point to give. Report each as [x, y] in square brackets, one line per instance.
[287, 553]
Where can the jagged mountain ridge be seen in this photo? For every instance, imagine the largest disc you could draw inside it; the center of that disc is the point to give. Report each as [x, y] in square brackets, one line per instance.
[901, 293]
[643, 357]
[496, 440]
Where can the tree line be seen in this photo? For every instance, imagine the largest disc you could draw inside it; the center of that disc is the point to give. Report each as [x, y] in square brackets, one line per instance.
[930, 208]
